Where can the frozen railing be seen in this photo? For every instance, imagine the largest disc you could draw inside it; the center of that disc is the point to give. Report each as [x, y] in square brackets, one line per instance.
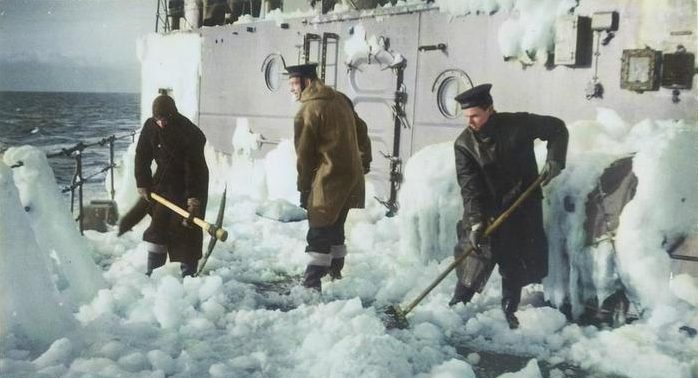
[79, 179]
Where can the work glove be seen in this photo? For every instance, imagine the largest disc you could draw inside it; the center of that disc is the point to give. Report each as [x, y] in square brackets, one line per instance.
[304, 199]
[477, 232]
[551, 169]
[194, 210]
[145, 193]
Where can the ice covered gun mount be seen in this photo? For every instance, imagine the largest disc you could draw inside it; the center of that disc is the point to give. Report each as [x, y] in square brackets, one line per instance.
[216, 231]
[396, 317]
[99, 213]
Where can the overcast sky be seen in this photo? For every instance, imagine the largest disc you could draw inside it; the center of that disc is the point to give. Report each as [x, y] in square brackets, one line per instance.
[72, 45]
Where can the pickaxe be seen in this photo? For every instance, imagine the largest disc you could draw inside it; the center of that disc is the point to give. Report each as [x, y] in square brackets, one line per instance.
[217, 232]
[212, 241]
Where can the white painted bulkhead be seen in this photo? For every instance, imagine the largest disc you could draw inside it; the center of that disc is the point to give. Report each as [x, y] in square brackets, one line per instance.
[227, 82]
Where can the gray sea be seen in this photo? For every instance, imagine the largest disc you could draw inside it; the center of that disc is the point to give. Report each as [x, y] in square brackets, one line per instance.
[53, 121]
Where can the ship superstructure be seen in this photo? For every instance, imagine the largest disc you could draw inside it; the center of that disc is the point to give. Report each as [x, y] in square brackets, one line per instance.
[402, 64]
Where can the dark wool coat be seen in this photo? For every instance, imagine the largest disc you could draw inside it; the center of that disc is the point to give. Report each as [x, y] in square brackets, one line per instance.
[495, 166]
[328, 158]
[182, 173]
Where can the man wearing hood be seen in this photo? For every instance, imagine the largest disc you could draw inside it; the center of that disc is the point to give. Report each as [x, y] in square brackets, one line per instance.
[330, 172]
[177, 147]
[495, 163]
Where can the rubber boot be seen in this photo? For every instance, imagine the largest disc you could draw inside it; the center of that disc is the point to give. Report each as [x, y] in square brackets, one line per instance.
[511, 319]
[338, 252]
[336, 268]
[188, 269]
[511, 296]
[155, 260]
[313, 275]
[461, 294]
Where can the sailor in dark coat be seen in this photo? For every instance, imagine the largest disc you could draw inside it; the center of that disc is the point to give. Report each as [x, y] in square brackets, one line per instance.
[177, 146]
[495, 163]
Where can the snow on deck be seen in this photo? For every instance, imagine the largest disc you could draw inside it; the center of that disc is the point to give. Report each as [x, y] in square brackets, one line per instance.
[247, 316]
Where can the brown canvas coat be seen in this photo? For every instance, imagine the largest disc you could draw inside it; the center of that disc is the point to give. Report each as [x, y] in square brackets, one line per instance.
[362, 137]
[329, 162]
[494, 167]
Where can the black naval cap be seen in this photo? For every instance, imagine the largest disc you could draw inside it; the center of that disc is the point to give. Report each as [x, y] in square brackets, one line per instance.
[302, 70]
[475, 96]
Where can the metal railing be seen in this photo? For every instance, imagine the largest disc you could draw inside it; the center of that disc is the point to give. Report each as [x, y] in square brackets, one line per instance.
[79, 179]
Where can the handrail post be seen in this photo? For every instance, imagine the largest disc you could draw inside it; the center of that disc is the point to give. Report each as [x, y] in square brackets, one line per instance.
[72, 190]
[111, 164]
[78, 162]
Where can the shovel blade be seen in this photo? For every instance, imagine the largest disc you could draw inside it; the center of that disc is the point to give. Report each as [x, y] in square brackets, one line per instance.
[394, 317]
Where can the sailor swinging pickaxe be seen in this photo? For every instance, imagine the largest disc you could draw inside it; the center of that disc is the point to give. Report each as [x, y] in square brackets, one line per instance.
[216, 231]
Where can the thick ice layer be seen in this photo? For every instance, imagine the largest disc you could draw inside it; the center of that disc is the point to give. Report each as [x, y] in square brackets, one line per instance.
[160, 55]
[362, 49]
[280, 168]
[76, 274]
[32, 312]
[125, 180]
[664, 208]
[576, 271]
[428, 217]
[529, 28]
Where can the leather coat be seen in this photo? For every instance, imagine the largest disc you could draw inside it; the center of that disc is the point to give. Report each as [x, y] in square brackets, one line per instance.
[494, 167]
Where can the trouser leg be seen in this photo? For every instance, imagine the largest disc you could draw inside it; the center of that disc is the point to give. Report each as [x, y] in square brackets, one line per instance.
[338, 253]
[317, 267]
[511, 296]
[338, 250]
[319, 257]
[319, 249]
[157, 255]
[188, 268]
[155, 237]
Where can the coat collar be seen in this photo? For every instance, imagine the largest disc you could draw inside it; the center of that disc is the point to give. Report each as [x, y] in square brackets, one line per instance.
[316, 91]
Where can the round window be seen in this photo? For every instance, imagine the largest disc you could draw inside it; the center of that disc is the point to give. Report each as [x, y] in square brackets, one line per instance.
[450, 88]
[273, 70]
[447, 86]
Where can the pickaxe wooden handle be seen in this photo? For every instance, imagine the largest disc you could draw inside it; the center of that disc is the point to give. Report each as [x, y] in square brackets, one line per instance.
[219, 233]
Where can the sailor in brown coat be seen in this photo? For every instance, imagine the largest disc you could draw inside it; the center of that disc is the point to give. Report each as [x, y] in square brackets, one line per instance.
[177, 146]
[330, 173]
[495, 163]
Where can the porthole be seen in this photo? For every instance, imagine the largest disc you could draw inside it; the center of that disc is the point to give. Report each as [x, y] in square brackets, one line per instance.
[450, 83]
[273, 68]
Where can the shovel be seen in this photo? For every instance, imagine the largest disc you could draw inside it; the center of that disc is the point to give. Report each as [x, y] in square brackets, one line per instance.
[396, 317]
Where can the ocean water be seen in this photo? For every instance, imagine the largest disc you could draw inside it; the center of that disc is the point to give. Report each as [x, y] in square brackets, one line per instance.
[52, 121]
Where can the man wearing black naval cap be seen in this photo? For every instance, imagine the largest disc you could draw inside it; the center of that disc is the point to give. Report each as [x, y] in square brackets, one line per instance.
[329, 138]
[495, 163]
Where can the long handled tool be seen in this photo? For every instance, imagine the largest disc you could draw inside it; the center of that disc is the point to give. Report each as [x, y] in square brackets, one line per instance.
[212, 241]
[397, 317]
[213, 230]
